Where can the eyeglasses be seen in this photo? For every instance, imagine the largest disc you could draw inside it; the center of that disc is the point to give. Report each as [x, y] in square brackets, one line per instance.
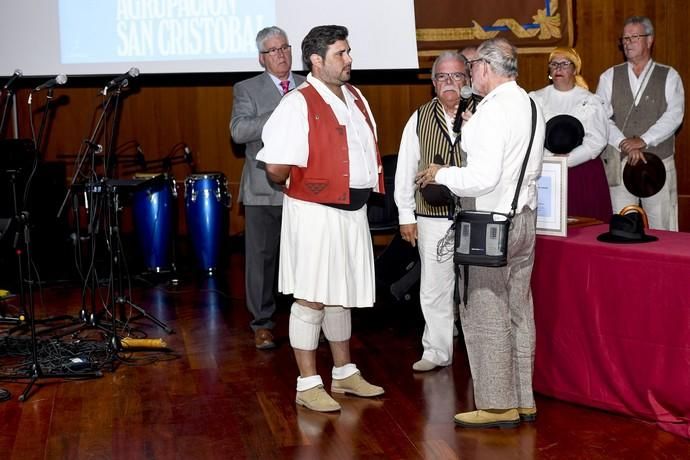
[273, 51]
[474, 61]
[632, 38]
[553, 65]
[444, 76]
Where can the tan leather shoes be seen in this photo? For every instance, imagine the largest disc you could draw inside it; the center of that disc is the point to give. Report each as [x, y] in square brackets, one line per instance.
[263, 339]
[317, 399]
[356, 385]
[491, 418]
[527, 414]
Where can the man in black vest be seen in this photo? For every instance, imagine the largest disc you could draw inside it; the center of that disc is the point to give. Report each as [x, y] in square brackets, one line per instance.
[648, 104]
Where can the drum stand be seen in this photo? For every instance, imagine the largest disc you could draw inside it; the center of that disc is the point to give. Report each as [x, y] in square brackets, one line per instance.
[117, 293]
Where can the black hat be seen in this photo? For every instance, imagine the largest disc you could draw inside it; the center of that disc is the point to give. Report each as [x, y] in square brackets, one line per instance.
[645, 179]
[436, 194]
[563, 134]
[628, 228]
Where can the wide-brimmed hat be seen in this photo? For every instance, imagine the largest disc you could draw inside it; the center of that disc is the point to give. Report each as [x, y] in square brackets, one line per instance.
[563, 134]
[628, 228]
[645, 179]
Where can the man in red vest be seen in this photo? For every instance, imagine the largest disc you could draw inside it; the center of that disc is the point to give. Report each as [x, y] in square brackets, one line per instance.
[320, 142]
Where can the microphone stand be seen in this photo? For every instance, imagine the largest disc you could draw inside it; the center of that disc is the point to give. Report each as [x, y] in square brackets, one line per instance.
[9, 99]
[44, 118]
[24, 232]
[89, 149]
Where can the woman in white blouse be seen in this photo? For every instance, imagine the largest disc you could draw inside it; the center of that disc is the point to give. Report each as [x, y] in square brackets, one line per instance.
[568, 93]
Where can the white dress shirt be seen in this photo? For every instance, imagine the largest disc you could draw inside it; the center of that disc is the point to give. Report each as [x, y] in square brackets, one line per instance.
[667, 124]
[496, 140]
[589, 108]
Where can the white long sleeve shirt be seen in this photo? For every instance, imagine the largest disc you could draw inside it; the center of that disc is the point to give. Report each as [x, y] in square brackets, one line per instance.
[589, 108]
[496, 139]
[667, 124]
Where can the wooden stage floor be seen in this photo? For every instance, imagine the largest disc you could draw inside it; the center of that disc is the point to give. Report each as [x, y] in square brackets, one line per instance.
[214, 396]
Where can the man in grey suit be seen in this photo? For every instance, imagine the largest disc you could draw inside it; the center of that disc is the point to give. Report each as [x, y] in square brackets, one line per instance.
[253, 102]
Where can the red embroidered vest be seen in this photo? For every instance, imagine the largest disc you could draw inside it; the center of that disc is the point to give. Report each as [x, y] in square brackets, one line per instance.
[326, 179]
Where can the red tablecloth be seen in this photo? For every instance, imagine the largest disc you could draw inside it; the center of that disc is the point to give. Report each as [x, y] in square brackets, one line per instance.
[613, 324]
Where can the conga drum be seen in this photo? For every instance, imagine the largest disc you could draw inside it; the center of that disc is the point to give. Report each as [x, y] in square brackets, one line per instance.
[206, 208]
[154, 207]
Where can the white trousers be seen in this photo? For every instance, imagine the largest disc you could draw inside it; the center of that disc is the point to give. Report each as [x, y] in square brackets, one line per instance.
[436, 291]
[662, 208]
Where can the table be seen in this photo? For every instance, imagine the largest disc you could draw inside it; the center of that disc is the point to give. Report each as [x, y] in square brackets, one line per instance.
[613, 324]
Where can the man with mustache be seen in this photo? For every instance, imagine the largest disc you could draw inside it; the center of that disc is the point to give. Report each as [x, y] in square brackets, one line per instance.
[425, 215]
[648, 107]
[321, 143]
[253, 102]
[498, 318]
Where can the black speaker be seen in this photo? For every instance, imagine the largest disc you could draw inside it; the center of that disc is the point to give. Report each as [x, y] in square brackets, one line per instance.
[398, 270]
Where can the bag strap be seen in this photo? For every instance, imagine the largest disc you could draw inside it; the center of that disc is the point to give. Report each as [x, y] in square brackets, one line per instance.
[466, 268]
[513, 206]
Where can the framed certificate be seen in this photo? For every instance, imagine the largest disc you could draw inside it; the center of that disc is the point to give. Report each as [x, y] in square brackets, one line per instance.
[552, 197]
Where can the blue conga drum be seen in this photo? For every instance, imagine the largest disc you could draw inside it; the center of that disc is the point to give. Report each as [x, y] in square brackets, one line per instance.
[207, 201]
[154, 206]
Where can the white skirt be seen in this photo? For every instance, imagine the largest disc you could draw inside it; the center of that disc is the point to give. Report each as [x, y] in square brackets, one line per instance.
[326, 255]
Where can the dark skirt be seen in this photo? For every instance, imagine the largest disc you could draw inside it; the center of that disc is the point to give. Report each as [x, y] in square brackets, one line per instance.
[588, 191]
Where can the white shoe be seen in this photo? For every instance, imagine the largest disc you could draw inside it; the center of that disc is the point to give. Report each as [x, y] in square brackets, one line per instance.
[424, 365]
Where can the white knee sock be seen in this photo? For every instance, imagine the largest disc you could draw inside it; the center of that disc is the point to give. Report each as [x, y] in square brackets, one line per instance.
[337, 324]
[305, 325]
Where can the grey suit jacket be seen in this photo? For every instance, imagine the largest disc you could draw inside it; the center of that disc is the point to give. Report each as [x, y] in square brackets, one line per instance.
[254, 100]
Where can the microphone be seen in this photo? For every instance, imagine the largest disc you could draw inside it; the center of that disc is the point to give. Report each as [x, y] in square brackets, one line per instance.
[57, 81]
[188, 158]
[465, 99]
[139, 157]
[17, 73]
[121, 80]
[187, 155]
[97, 148]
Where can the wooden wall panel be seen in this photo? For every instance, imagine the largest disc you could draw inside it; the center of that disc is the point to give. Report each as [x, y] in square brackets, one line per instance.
[196, 110]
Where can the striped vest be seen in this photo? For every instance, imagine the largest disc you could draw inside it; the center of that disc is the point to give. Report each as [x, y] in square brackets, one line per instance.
[434, 139]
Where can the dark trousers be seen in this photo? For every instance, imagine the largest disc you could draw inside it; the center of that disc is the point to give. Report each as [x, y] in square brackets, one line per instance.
[261, 242]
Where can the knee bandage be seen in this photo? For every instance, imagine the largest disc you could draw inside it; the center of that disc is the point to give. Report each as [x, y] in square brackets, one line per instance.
[305, 326]
[337, 324]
